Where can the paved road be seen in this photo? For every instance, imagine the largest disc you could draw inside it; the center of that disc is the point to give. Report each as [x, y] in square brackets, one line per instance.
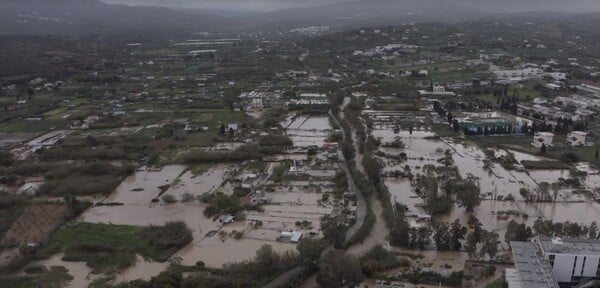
[361, 206]
[361, 213]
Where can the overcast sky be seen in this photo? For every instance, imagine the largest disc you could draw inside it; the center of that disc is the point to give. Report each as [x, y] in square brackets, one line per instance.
[258, 5]
[270, 5]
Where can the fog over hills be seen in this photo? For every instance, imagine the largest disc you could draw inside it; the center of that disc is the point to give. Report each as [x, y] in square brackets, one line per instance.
[122, 16]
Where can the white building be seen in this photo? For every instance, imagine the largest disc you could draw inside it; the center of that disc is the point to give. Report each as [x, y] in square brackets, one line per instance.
[576, 138]
[549, 262]
[511, 276]
[541, 138]
[291, 236]
[439, 88]
[571, 259]
[232, 127]
[257, 103]
[519, 74]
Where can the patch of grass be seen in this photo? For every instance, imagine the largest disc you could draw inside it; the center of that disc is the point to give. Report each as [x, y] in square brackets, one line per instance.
[106, 247]
[32, 126]
[57, 113]
[204, 117]
[93, 178]
[57, 277]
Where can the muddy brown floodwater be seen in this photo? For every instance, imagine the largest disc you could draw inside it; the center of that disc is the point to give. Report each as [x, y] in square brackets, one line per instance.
[82, 275]
[143, 186]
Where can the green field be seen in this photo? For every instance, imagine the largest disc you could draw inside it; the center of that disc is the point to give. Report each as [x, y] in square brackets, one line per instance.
[32, 126]
[105, 247]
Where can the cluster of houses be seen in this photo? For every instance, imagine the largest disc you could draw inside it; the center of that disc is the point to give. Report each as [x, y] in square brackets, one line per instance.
[574, 139]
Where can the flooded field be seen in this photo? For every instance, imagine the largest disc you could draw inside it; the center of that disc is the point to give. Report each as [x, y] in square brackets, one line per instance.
[423, 149]
[308, 131]
[145, 185]
[82, 275]
[142, 269]
[196, 185]
[215, 252]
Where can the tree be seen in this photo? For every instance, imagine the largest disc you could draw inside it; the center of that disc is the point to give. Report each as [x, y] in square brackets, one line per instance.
[593, 230]
[490, 244]
[339, 270]
[517, 232]
[310, 251]
[222, 130]
[399, 234]
[73, 205]
[455, 125]
[597, 153]
[441, 237]
[457, 233]
[450, 118]
[423, 237]
[543, 150]
[334, 232]
[569, 157]
[29, 93]
[471, 245]
[468, 195]
[230, 97]
[348, 150]
[267, 260]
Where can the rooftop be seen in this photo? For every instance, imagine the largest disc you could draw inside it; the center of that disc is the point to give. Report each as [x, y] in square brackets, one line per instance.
[570, 246]
[533, 270]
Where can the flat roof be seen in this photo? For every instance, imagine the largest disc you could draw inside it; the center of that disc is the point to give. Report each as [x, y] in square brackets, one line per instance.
[534, 271]
[570, 246]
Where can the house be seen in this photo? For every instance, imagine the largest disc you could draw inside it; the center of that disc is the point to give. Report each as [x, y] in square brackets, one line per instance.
[232, 127]
[291, 236]
[227, 219]
[576, 138]
[249, 181]
[257, 103]
[542, 138]
[439, 88]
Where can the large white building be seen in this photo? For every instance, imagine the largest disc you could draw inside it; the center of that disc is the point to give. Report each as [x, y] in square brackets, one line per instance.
[548, 262]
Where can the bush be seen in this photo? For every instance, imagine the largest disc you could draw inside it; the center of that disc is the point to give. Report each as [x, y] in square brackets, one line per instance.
[168, 198]
[275, 140]
[168, 239]
[569, 157]
[187, 197]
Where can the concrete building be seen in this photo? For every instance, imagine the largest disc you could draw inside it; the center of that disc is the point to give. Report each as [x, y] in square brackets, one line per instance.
[257, 103]
[556, 262]
[511, 277]
[531, 269]
[541, 138]
[576, 138]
